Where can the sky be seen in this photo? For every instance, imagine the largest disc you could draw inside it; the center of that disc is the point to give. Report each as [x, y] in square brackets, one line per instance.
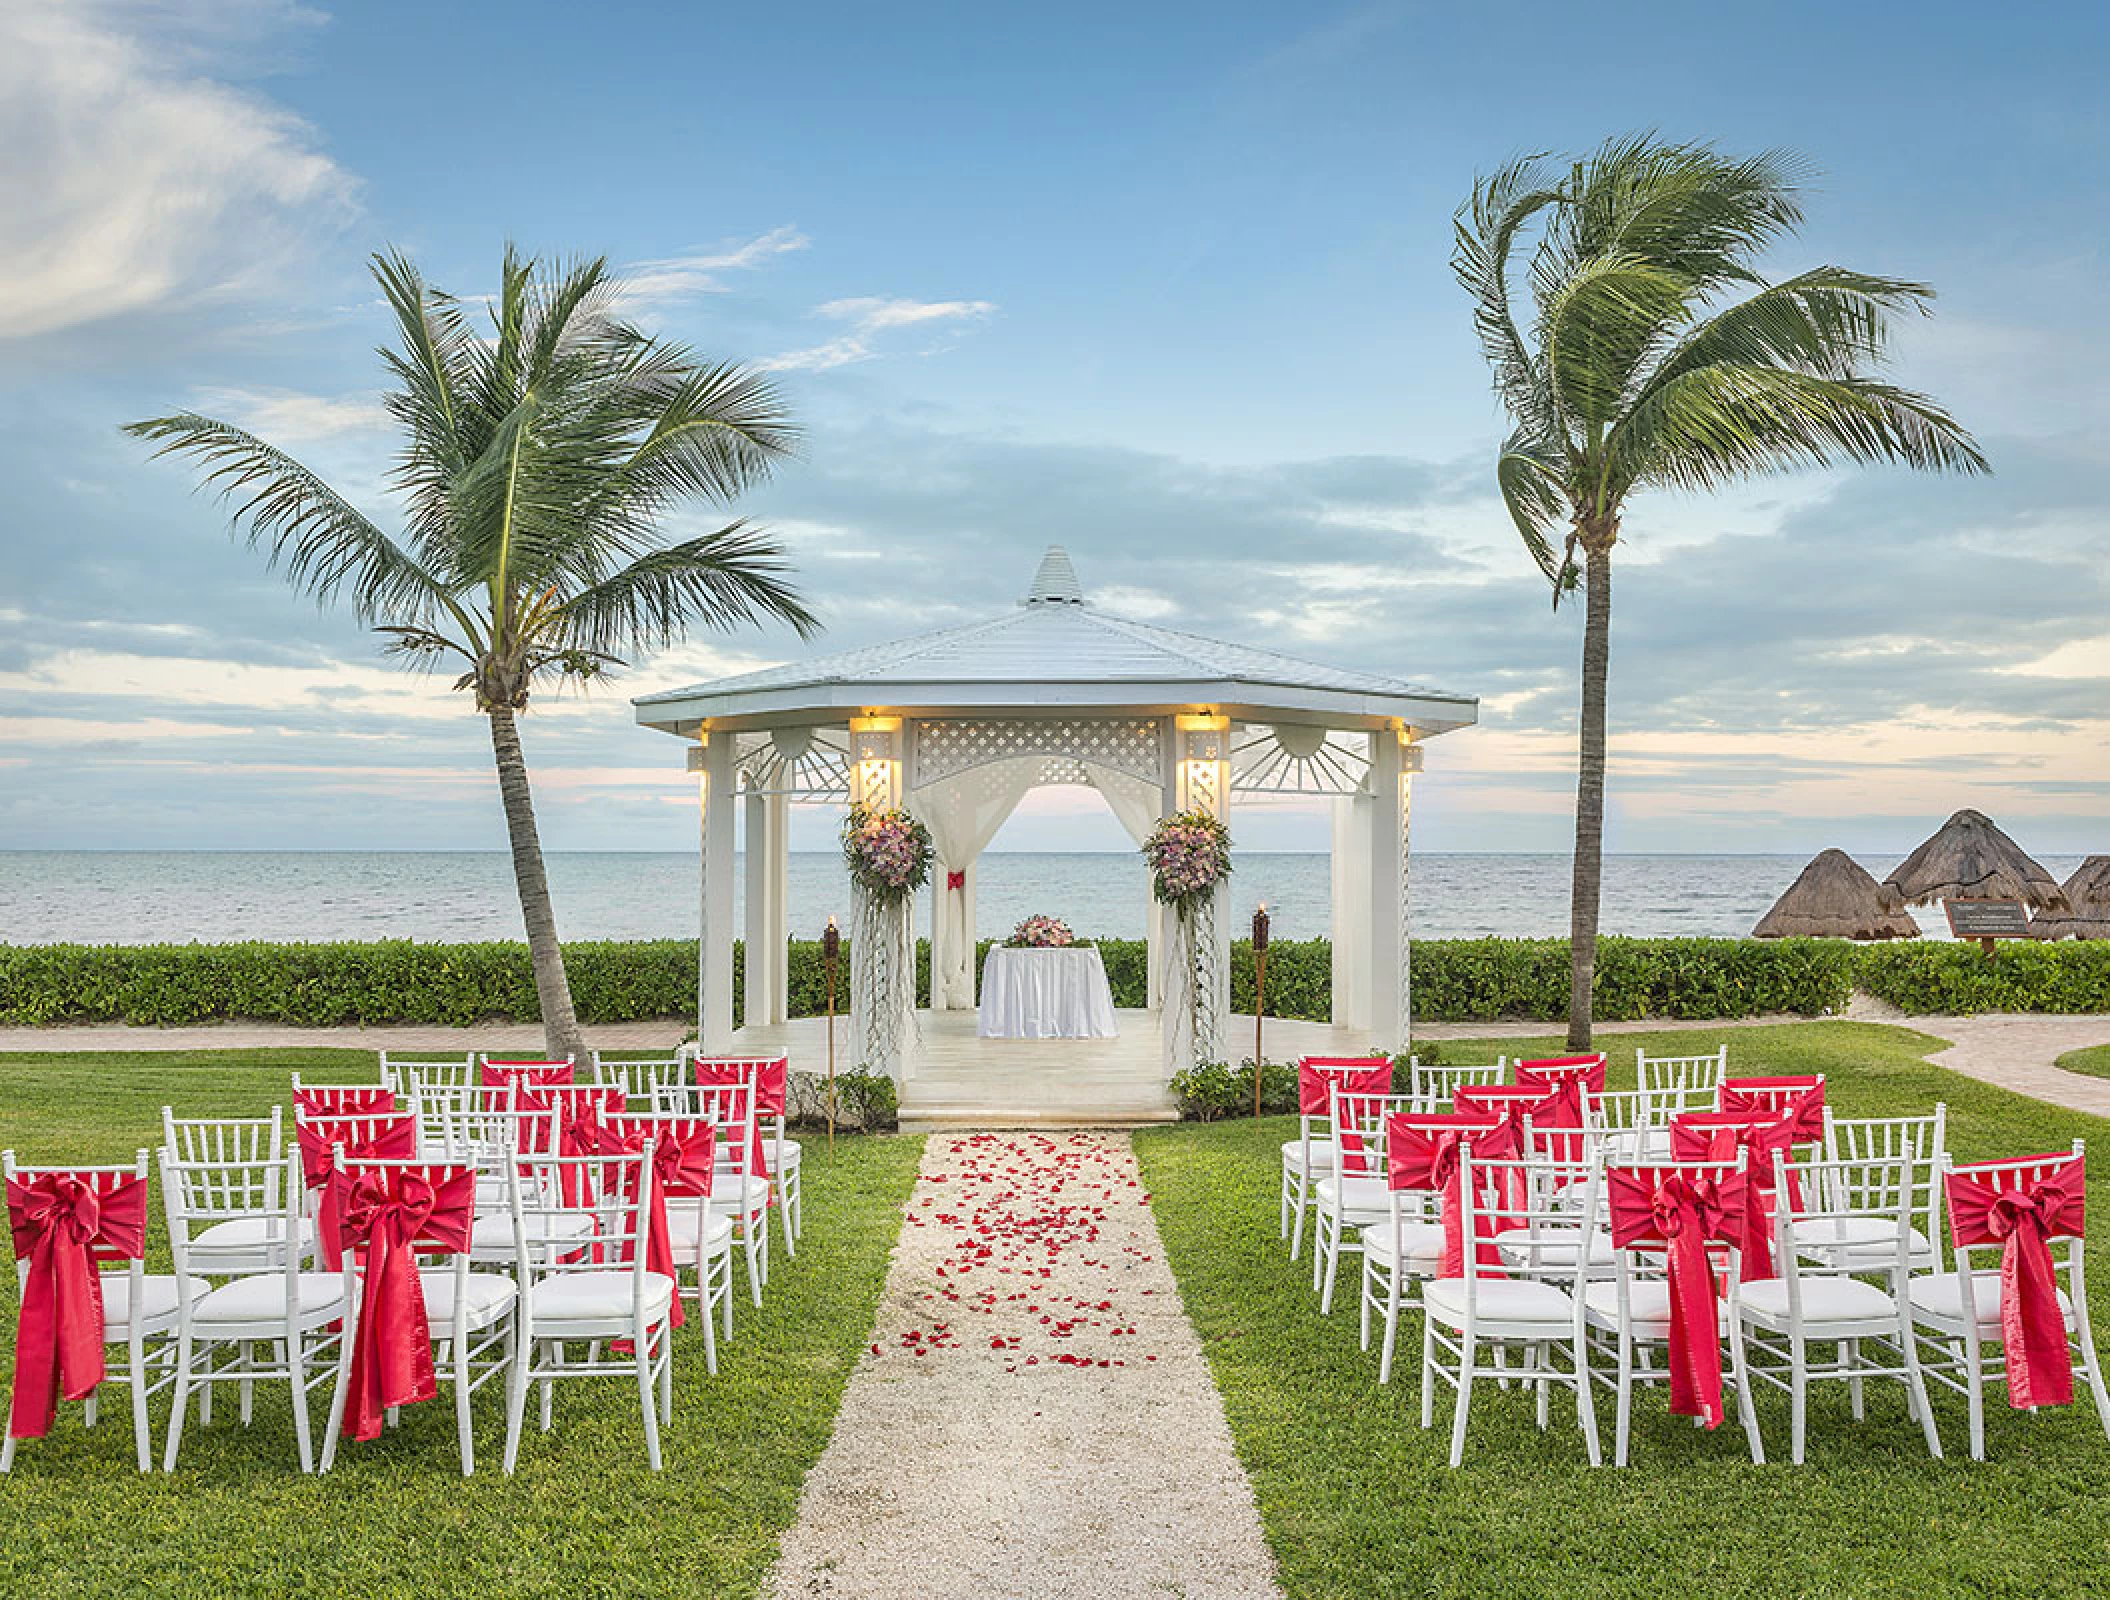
[1164, 284]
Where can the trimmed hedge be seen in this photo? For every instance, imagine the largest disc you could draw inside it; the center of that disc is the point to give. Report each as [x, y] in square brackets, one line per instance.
[1455, 980]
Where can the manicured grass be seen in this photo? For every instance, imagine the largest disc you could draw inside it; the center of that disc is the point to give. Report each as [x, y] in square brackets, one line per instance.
[1358, 1501]
[2094, 1061]
[583, 1516]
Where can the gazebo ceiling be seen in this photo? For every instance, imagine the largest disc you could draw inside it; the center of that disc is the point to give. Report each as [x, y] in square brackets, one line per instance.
[1057, 654]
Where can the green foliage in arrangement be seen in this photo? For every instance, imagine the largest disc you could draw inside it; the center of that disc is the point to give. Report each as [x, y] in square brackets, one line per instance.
[1455, 980]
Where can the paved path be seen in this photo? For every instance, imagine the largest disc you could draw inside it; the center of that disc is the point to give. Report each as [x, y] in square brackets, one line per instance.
[663, 1034]
[1034, 1418]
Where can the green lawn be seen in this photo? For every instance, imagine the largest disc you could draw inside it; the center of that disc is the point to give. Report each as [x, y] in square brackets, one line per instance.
[582, 1517]
[2094, 1060]
[1357, 1500]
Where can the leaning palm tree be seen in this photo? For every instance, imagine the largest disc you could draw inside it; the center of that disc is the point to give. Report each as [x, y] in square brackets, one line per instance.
[539, 460]
[1658, 356]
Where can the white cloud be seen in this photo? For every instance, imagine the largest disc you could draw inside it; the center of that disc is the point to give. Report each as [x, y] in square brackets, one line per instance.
[675, 277]
[285, 416]
[870, 316]
[133, 182]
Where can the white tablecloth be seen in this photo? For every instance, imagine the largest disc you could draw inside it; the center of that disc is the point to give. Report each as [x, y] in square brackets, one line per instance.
[1045, 994]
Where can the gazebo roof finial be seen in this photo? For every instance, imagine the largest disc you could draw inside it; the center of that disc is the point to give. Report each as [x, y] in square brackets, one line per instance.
[1056, 581]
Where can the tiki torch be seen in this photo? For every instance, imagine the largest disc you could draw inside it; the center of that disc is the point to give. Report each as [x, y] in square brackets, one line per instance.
[831, 953]
[1259, 994]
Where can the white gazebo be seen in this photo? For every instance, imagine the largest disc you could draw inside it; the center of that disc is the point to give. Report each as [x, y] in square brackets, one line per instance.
[959, 724]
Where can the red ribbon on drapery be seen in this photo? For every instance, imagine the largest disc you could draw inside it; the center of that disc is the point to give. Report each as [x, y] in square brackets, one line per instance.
[1717, 1136]
[1801, 1098]
[388, 1213]
[1422, 1151]
[1587, 1071]
[63, 1222]
[956, 879]
[770, 1084]
[345, 1100]
[2022, 1218]
[1684, 1212]
[683, 1149]
[394, 1138]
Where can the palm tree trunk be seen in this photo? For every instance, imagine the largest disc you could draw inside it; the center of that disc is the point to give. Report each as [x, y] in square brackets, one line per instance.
[560, 1028]
[1589, 798]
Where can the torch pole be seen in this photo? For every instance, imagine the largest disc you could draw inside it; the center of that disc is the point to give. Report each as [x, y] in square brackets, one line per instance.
[831, 952]
[1260, 930]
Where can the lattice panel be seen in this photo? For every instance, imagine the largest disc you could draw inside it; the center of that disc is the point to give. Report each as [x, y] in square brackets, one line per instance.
[1298, 760]
[1125, 744]
[804, 763]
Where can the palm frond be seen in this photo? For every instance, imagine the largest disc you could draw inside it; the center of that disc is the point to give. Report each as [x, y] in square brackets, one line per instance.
[1485, 234]
[733, 577]
[1597, 326]
[1536, 493]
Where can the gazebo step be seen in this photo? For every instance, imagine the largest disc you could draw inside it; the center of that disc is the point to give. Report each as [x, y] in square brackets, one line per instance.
[946, 1118]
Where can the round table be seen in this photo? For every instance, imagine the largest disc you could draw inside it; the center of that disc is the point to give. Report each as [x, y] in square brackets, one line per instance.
[1045, 994]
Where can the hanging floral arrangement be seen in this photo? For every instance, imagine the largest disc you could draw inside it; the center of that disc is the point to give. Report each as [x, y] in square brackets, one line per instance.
[888, 853]
[1189, 854]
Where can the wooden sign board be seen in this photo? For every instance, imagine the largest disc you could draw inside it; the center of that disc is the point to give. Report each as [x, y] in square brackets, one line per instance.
[1987, 920]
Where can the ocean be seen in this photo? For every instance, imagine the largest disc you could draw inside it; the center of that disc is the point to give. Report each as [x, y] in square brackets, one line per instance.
[144, 897]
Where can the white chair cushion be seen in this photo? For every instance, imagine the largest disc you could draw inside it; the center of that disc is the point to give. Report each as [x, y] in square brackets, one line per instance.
[250, 1233]
[1648, 1299]
[1553, 1249]
[157, 1290]
[1498, 1300]
[1860, 1240]
[1362, 1200]
[596, 1296]
[1321, 1154]
[1423, 1242]
[494, 1234]
[1939, 1296]
[743, 1195]
[683, 1225]
[1823, 1300]
[485, 1296]
[262, 1298]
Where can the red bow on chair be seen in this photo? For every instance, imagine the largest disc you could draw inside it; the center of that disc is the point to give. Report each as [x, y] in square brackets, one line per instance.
[386, 1214]
[345, 1101]
[1717, 1136]
[1801, 1099]
[683, 1149]
[766, 1081]
[1683, 1212]
[1355, 1074]
[60, 1220]
[1549, 1108]
[2023, 1219]
[361, 1139]
[1422, 1152]
[1585, 1071]
[1355, 1156]
[535, 1074]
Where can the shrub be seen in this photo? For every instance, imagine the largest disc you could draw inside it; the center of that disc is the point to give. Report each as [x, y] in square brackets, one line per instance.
[1213, 1090]
[1958, 979]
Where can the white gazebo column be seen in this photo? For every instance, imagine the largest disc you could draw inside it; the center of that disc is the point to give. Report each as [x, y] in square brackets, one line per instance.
[882, 933]
[1195, 981]
[952, 938]
[1394, 762]
[1350, 928]
[766, 968]
[712, 762]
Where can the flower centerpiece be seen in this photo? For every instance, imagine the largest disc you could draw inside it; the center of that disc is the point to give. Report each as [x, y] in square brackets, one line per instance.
[1044, 933]
[888, 853]
[1189, 854]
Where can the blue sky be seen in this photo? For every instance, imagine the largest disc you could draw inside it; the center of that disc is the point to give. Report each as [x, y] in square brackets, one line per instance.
[1167, 284]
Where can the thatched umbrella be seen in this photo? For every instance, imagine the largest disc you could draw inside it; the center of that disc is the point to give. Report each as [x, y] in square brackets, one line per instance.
[1835, 898]
[1970, 859]
[2088, 901]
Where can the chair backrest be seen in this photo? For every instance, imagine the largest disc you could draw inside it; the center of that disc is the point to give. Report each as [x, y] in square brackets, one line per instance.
[641, 1079]
[547, 1193]
[1922, 1141]
[342, 1099]
[1828, 1192]
[104, 1248]
[1799, 1096]
[380, 1134]
[1682, 1073]
[225, 1145]
[1586, 1071]
[1536, 1206]
[1360, 1122]
[727, 1107]
[483, 1128]
[420, 1074]
[684, 1149]
[1435, 1086]
[1635, 1218]
[198, 1193]
[446, 1230]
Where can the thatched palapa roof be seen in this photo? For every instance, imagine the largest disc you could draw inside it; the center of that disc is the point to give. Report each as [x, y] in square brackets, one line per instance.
[1835, 898]
[2088, 900]
[1970, 859]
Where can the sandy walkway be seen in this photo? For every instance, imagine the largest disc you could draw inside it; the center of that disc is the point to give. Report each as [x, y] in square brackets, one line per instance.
[1034, 1418]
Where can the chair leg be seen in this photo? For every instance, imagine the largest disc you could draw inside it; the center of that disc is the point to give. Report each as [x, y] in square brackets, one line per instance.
[1746, 1407]
[1916, 1387]
[1623, 1406]
[666, 1376]
[1586, 1401]
[1541, 1356]
[704, 1310]
[791, 1243]
[1428, 1370]
[726, 1255]
[1283, 1219]
[463, 1428]
[1318, 1247]
[1363, 1306]
[7, 1454]
[1384, 1355]
[523, 1346]
[2090, 1365]
[552, 1353]
[181, 1403]
[643, 1346]
[1333, 1266]
[1798, 1395]
[748, 1232]
[1854, 1385]
[1465, 1397]
[297, 1365]
[142, 1430]
[334, 1428]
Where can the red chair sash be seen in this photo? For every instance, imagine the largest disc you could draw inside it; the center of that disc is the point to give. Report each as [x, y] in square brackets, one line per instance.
[1355, 1075]
[536, 1074]
[361, 1139]
[1717, 1136]
[683, 1149]
[345, 1100]
[728, 1074]
[387, 1214]
[1684, 1212]
[2023, 1218]
[62, 1223]
[1801, 1097]
[1552, 1071]
[1422, 1152]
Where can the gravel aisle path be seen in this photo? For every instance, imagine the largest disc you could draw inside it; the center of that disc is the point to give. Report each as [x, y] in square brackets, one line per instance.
[1034, 1418]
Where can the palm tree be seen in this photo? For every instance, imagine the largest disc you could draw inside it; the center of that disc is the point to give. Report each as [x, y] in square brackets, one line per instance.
[1658, 356]
[538, 462]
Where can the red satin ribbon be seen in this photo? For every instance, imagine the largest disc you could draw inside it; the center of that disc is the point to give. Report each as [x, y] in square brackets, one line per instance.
[769, 1081]
[1421, 1152]
[387, 1214]
[683, 1149]
[1801, 1098]
[1717, 1136]
[1683, 1212]
[2022, 1220]
[361, 1139]
[1588, 1071]
[1550, 1108]
[351, 1100]
[1356, 1074]
[955, 880]
[62, 1222]
[527, 1074]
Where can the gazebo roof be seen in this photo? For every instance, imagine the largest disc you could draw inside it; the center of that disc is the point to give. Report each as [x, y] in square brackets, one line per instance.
[1055, 653]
